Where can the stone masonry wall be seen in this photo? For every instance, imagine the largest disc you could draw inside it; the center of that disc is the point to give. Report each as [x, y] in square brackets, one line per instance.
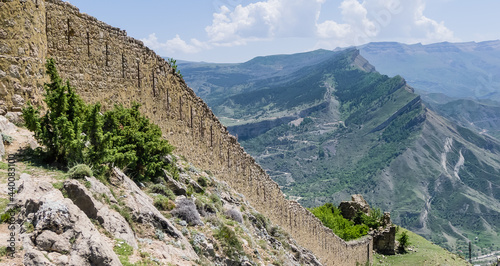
[105, 65]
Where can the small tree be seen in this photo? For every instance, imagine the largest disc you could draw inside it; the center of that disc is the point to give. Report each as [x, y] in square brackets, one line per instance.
[59, 130]
[73, 132]
[404, 241]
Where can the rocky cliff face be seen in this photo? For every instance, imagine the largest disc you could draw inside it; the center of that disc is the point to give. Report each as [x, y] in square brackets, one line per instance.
[63, 221]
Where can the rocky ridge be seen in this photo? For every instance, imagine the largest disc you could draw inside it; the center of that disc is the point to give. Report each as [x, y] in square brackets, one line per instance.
[65, 221]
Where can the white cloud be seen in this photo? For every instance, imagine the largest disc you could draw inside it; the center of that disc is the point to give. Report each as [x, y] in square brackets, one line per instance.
[175, 45]
[360, 21]
[382, 20]
[264, 20]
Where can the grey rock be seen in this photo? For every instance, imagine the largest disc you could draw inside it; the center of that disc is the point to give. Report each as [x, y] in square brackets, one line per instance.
[57, 219]
[51, 241]
[6, 126]
[2, 147]
[33, 257]
[141, 206]
[386, 220]
[17, 100]
[143, 211]
[15, 117]
[197, 188]
[14, 71]
[100, 189]
[111, 220]
[177, 187]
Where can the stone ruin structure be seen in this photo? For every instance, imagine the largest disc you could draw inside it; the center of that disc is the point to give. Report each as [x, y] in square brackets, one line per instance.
[384, 238]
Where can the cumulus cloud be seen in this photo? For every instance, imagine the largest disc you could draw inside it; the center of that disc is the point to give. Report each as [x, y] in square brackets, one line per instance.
[360, 21]
[175, 44]
[264, 20]
[381, 20]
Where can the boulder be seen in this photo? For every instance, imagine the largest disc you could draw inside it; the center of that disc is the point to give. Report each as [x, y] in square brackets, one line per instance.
[98, 188]
[59, 226]
[141, 205]
[111, 220]
[7, 127]
[15, 117]
[177, 187]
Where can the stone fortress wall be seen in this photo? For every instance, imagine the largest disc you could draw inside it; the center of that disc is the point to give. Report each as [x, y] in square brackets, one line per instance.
[106, 65]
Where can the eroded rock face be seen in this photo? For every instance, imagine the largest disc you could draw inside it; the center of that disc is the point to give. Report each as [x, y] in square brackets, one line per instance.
[61, 229]
[141, 205]
[143, 211]
[111, 220]
[349, 209]
[177, 187]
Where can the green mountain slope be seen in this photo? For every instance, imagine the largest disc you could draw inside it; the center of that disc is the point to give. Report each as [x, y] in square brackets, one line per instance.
[480, 116]
[337, 127]
[463, 75]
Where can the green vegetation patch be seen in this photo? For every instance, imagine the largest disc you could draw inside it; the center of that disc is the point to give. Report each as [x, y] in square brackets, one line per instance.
[229, 240]
[73, 132]
[423, 253]
[331, 217]
[80, 171]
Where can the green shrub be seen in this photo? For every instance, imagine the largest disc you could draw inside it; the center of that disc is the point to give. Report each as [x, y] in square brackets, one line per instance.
[217, 202]
[229, 240]
[58, 185]
[330, 216]
[123, 250]
[5, 217]
[163, 190]
[261, 221]
[374, 220]
[80, 171]
[29, 227]
[73, 132]
[7, 140]
[202, 181]
[404, 241]
[59, 130]
[163, 203]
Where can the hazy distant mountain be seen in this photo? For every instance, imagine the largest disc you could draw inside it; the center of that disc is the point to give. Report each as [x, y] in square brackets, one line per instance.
[460, 70]
[333, 126]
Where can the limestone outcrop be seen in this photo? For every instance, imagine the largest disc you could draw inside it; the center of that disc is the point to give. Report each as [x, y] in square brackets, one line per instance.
[58, 229]
[111, 220]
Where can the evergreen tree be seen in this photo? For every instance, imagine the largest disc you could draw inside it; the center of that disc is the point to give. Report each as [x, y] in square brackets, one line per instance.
[60, 128]
[73, 132]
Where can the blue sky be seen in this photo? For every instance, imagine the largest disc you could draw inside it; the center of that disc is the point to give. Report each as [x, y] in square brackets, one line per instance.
[238, 30]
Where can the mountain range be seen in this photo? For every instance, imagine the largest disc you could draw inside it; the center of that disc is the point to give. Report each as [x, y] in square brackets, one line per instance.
[325, 124]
